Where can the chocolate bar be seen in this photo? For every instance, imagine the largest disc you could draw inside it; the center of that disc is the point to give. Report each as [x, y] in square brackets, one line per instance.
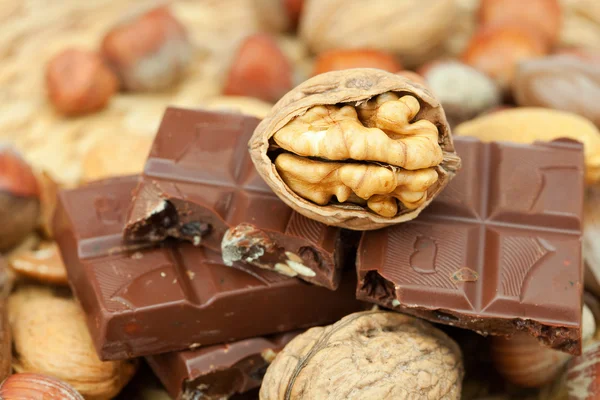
[218, 372]
[499, 251]
[142, 301]
[199, 182]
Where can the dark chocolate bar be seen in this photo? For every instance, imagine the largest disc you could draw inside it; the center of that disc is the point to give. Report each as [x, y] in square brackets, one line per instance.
[199, 182]
[220, 371]
[499, 251]
[143, 301]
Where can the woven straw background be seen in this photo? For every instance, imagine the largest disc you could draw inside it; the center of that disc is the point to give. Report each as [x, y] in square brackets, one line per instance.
[31, 31]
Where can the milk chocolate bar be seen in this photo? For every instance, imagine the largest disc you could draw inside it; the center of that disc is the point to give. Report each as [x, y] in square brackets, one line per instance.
[220, 371]
[141, 301]
[200, 185]
[499, 251]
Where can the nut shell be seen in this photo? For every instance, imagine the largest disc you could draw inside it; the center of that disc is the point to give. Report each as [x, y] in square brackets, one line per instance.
[523, 361]
[19, 198]
[367, 355]
[28, 386]
[50, 336]
[414, 30]
[352, 86]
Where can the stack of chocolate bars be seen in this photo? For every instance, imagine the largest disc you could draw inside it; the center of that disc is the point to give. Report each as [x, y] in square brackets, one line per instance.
[165, 265]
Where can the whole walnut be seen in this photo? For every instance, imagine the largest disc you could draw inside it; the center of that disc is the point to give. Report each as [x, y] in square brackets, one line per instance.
[414, 30]
[367, 355]
[359, 148]
[562, 82]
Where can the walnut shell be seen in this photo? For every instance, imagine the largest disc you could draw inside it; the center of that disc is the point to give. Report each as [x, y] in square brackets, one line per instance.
[350, 87]
[367, 355]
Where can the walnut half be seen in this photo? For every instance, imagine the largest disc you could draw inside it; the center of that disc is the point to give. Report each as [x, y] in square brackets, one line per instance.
[359, 148]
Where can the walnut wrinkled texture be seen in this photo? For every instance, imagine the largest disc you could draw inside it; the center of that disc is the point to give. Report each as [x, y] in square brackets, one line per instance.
[367, 355]
[379, 132]
[359, 148]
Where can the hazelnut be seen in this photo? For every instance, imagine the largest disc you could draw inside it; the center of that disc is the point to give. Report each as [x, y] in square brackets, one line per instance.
[149, 51]
[413, 30]
[530, 124]
[6, 283]
[561, 82]
[294, 10]
[43, 264]
[393, 130]
[463, 91]
[496, 50]
[60, 345]
[367, 355]
[523, 361]
[79, 82]
[335, 60]
[259, 69]
[272, 15]
[19, 198]
[28, 386]
[544, 16]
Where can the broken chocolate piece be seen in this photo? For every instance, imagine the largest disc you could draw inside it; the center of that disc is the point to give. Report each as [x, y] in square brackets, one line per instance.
[143, 301]
[220, 371]
[499, 251]
[199, 182]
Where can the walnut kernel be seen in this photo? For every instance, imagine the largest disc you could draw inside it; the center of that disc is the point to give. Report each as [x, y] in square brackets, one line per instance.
[359, 148]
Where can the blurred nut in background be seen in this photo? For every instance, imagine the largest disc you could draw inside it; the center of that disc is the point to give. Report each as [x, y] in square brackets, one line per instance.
[259, 69]
[148, 51]
[19, 198]
[528, 124]
[335, 60]
[496, 50]
[591, 239]
[294, 11]
[50, 337]
[581, 24]
[241, 104]
[28, 386]
[463, 91]
[523, 361]
[543, 16]
[367, 355]
[6, 284]
[48, 197]
[43, 264]
[561, 82]
[79, 82]
[413, 30]
[116, 155]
